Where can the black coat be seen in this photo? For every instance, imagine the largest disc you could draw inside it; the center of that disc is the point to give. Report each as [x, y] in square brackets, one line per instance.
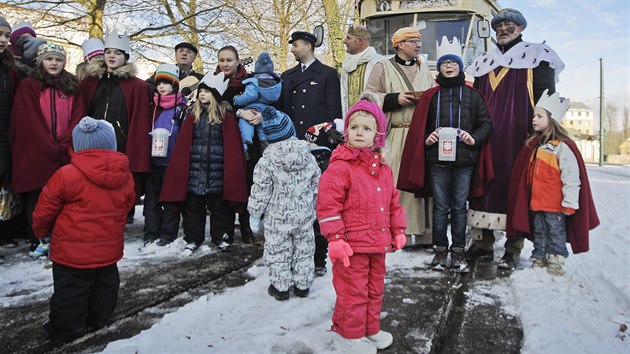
[474, 120]
[310, 97]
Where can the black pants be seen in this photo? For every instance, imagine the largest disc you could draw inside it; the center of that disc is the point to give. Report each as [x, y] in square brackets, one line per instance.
[194, 218]
[160, 221]
[321, 247]
[82, 298]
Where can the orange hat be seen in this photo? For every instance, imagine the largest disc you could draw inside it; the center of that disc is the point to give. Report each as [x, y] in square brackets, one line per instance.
[404, 34]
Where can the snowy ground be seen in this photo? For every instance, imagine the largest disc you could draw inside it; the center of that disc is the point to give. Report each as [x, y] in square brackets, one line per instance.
[581, 312]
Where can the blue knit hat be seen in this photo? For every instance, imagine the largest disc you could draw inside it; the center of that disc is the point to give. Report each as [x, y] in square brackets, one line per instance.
[264, 64]
[453, 57]
[276, 125]
[511, 15]
[93, 133]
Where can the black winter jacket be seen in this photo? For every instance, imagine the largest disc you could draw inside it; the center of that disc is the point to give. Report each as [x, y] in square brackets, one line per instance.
[206, 158]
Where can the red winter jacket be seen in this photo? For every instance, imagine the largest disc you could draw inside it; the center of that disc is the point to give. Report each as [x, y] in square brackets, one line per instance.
[358, 202]
[84, 207]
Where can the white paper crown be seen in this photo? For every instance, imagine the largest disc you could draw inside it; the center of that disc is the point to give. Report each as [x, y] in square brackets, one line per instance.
[554, 104]
[116, 41]
[92, 45]
[447, 47]
[216, 82]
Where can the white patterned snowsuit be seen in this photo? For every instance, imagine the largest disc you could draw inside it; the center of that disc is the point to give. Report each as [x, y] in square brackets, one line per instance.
[284, 192]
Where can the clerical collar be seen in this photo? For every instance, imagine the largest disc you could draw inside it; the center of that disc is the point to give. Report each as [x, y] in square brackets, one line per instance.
[401, 61]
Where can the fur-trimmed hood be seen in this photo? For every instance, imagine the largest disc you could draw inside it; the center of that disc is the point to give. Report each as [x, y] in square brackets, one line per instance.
[98, 68]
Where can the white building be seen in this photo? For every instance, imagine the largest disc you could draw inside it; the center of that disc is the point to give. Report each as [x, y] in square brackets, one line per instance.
[579, 117]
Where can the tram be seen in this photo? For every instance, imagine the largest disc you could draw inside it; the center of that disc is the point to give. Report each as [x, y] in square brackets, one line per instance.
[468, 20]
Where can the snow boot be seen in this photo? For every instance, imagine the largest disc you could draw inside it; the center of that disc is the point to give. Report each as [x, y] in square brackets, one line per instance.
[509, 261]
[440, 260]
[555, 264]
[361, 345]
[381, 340]
[223, 246]
[277, 294]
[458, 260]
[320, 271]
[537, 263]
[42, 249]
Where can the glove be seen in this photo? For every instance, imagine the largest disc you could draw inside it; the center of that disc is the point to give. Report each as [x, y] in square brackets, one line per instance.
[254, 223]
[340, 250]
[29, 47]
[400, 241]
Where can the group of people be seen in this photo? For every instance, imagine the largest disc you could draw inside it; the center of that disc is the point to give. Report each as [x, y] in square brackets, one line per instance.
[348, 166]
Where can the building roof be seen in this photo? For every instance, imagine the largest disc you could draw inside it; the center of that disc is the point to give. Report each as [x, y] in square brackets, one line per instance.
[578, 105]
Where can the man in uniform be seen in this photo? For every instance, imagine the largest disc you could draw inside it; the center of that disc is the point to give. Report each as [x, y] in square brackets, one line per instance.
[512, 77]
[310, 95]
[394, 80]
[357, 66]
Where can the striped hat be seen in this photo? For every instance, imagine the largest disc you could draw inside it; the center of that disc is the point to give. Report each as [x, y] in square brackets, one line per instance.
[276, 125]
[168, 73]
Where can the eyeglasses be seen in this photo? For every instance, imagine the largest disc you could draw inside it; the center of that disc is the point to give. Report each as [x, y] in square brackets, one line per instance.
[414, 41]
[446, 63]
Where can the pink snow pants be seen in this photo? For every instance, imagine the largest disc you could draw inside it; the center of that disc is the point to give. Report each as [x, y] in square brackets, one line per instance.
[359, 289]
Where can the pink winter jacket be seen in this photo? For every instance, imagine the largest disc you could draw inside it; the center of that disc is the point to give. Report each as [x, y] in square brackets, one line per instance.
[358, 201]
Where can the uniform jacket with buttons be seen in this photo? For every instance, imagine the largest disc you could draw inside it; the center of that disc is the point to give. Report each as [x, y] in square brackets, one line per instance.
[310, 97]
[358, 201]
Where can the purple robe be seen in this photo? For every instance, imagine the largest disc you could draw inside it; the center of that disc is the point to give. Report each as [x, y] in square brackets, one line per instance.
[510, 106]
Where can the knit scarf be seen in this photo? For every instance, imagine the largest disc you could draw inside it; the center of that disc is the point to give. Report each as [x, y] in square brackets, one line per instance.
[165, 101]
[458, 80]
[353, 60]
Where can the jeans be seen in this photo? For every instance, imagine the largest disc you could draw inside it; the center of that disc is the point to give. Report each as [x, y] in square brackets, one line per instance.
[450, 185]
[550, 234]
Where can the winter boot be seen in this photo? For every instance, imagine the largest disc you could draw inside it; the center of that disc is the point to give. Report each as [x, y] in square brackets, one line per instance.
[509, 261]
[555, 264]
[458, 260]
[42, 249]
[475, 252]
[320, 271]
[440, 260]
[381, 340]
[361, 345]
[277, 294]
[300, 292]
[537, 263]
[223, 246]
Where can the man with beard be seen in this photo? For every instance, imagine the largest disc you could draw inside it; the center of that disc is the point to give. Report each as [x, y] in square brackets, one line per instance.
[310, 95]
[512, 77]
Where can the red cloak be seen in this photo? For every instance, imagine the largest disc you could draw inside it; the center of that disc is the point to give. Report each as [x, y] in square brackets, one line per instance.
[577, 225]
[412, 176]
[175, 186]
[35, 154]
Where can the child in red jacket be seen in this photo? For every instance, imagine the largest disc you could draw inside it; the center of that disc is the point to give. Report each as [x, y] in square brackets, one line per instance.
[360, 214]
[83, 207]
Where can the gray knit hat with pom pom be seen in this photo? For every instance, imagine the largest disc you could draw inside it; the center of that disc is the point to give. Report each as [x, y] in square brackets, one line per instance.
[93, 133]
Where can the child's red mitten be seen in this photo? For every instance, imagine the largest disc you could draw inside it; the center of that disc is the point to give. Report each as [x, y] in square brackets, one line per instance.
[340, 250]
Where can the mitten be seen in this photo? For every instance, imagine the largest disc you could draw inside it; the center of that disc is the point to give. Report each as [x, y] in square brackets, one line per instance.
[29, 46]
[254, 223]
[400, 241]
[340, 250]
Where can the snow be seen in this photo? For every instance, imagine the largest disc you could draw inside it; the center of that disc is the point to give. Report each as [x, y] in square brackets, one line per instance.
[579, 312]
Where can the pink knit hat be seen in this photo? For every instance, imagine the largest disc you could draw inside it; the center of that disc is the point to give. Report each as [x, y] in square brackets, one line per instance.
[369, 102]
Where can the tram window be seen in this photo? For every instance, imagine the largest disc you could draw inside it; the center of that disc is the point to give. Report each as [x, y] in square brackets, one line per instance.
[383, 29]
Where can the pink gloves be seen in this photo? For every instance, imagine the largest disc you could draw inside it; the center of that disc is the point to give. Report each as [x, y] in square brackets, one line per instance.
[400, 241]
[340, 250]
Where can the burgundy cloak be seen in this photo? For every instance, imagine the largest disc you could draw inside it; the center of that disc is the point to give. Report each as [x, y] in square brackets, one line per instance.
[577, 225]
[36, 155]
[413, 176]
[175, 185]
[136, 94]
